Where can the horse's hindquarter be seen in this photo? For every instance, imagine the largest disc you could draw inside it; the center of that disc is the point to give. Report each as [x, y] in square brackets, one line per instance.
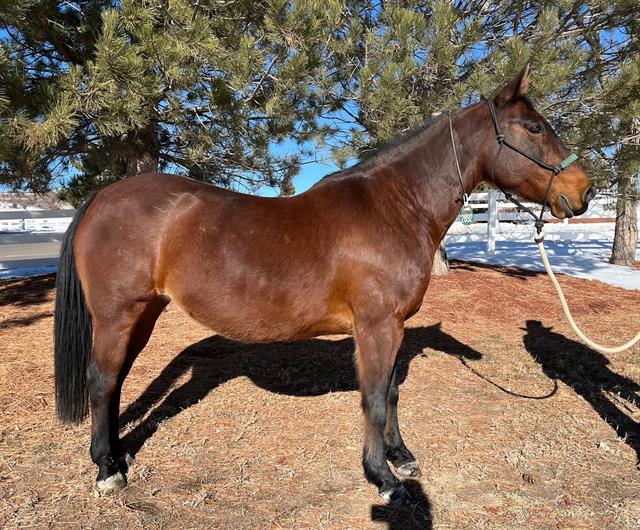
[119, 242]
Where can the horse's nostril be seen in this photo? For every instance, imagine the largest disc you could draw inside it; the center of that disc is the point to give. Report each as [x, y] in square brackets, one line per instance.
[589, 194]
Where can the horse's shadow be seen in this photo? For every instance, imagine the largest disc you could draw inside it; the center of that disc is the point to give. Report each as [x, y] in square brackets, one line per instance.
[587, 372]
[415, 516]
[305, 368]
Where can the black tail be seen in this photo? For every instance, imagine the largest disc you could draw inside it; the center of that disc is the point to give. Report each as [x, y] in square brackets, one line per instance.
[73, 332]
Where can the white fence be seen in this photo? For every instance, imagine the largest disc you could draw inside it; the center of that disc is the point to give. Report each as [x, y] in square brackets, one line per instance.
[493, 205]
[30, 221]
[492, 208]
[496, 218]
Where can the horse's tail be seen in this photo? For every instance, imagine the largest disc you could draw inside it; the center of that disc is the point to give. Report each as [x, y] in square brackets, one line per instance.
[73, 332]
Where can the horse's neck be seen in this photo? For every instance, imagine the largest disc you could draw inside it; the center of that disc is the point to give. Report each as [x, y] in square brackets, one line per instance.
[426, 183]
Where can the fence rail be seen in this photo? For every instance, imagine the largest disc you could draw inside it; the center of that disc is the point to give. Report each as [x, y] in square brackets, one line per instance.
[36, 220]
[492, 208]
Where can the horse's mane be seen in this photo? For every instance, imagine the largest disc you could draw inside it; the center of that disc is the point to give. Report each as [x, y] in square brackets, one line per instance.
[402, 137]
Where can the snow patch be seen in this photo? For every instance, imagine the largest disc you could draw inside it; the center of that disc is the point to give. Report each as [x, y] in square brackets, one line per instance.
[580, 250]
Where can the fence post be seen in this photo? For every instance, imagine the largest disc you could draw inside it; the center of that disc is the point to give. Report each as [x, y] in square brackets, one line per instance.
[492, 222]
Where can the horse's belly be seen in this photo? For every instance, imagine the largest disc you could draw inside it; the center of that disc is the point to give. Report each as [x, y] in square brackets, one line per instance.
[249, 325]
[249, 313]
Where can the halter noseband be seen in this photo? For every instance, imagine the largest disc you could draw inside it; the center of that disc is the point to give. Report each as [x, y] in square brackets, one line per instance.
[555, 170]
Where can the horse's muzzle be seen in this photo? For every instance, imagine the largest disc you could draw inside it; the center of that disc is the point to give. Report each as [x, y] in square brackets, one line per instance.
[567, 207]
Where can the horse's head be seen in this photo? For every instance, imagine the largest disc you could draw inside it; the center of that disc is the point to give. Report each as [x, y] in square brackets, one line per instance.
[526, 130]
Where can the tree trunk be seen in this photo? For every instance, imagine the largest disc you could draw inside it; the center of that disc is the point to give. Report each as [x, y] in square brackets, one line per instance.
[440, 263]
[626, 233]
[142, 162]
[144, 151]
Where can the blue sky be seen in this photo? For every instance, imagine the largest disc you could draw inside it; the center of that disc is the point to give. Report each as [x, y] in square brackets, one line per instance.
[308, 176]
[313, 167]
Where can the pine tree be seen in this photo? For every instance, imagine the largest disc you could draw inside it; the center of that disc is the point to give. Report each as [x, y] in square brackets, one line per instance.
[107, 88]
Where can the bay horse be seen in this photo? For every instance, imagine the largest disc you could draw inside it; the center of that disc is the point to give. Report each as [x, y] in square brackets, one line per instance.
[352, 255]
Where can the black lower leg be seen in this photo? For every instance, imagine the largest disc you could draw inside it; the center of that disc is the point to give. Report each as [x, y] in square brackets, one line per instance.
[395, 449]
[376, 345]
[101, 389]
[117, 450]
[376, 469]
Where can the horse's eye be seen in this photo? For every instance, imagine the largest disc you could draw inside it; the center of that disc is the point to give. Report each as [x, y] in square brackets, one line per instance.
[534, 128]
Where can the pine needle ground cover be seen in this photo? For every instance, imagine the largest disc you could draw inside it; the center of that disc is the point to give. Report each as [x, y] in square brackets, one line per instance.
[508, 416]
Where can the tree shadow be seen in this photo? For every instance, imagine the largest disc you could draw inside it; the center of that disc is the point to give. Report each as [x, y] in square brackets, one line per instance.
[306, 368]
[26, 291]
[514, 272]
[23, 322]
[415, 516]
[587, 372]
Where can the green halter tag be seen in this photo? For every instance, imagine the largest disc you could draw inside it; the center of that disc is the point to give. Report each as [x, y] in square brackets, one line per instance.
[568, 161]
[466, 215]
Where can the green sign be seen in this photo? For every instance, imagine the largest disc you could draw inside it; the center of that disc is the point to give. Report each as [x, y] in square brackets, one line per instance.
[466, 215]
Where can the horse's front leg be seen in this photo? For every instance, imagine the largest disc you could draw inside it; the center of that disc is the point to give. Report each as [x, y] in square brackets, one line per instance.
[396, 451]
[377, 344]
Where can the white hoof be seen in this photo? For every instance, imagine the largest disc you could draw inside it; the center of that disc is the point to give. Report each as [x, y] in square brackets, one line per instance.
[111, 484]
[410, 469]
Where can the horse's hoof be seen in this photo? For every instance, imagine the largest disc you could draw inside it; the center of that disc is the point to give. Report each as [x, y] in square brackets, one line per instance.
[398, 496]
[410, 469]
[111, 484]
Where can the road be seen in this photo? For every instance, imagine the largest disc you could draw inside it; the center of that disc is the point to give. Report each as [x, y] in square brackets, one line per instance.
[18, 251]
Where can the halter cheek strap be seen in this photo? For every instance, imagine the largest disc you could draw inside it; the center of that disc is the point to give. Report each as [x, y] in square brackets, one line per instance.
[555, 170]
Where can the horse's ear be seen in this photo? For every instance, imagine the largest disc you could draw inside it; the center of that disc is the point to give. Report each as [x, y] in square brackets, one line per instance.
[514, 89]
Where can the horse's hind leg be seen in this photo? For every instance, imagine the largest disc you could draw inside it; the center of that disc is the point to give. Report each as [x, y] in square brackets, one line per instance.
[376, 346]
[117, 342]
[139, 338]
[396, 451]
[111, 341]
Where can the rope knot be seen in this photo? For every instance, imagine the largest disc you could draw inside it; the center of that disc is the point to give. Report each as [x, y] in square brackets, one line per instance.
[539, 237]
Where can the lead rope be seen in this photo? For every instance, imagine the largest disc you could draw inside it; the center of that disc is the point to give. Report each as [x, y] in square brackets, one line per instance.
[539, 240]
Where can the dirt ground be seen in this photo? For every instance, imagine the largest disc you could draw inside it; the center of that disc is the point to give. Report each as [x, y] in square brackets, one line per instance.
[515, 424]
